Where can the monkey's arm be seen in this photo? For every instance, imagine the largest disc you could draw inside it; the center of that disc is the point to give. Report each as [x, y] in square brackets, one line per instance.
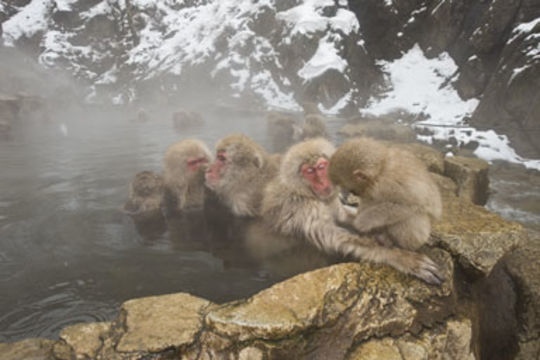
[342, 213]
[382, 214]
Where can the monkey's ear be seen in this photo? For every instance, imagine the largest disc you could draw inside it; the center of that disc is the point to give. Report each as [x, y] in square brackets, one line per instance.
[359, 175]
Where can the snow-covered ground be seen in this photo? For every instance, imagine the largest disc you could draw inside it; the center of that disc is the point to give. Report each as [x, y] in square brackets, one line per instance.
[422, 87]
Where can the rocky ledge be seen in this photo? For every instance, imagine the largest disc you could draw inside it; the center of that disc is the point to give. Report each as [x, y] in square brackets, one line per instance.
[345, 311]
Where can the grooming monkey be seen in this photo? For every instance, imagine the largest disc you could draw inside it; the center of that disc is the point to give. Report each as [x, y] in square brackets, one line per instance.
[301, 201]
[185, 163]
[398, 197]
[145, 196]
[239, 173]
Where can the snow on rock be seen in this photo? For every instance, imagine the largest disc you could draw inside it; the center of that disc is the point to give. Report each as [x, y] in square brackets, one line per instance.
[118, 45]
[422, 87]
[31, 19]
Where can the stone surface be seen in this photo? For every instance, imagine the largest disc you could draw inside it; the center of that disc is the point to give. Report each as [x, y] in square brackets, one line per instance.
[477, 237]
[85, 340]
[29, 349]
[524, 267]
[450, 341]
[432, 158]
[160, 322]
[471, 177]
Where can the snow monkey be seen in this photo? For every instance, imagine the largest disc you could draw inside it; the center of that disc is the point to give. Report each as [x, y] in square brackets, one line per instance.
[301, 201]
[281, 130]
[313, 127]
[145, 196]
[239, 173]
[185, 163]
[186, 119]
[398, 198]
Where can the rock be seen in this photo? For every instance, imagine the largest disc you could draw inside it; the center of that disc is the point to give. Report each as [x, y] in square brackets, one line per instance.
[471, 177]
[477, 237]
[29, 349]
[157, 323]
[347, 303]
[524, 268]
[432, 158]
[452, 340]
[81, 341]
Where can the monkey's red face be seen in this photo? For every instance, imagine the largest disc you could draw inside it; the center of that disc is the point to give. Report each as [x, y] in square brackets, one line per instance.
[214, 171]
[195, 163]
[317, 177]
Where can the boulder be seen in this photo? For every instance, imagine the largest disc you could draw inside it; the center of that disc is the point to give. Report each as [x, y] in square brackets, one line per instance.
[524, 268]
[29, 349]
[471, 177]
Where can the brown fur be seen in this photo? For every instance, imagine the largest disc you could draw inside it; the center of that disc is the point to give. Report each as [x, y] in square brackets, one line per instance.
[145, 196]
[185, 188]
[281, 129]
[398, 196]
[246, 172]
[291, 208]
[186, 119]
[314, 127]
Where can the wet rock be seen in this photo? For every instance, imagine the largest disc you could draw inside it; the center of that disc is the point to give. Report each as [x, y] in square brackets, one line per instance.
[157, 323]
[432, 158]
[452, 340]
[524, 268]
[29, 349]
[471, 177]
[81, 341]
[477, 237]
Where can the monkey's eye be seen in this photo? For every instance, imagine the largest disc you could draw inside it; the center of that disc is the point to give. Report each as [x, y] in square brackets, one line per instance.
[192, 162]
[221, 158]
[310, 170]
[321, 166]
[202, 160]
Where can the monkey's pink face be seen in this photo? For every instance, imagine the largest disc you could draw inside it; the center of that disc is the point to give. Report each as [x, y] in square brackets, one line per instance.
[195, 163]
[317, 177]
[214, 171]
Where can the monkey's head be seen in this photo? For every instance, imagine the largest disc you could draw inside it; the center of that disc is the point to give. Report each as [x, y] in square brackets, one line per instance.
[357, 165]
[305, 168]
[147, 183]
[235, 154]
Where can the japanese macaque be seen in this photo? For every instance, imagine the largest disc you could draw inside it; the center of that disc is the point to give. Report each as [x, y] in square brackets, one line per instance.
[281, 130]
[398, 198]
[239, 173]
[141, 116]
[310, 108]
[185, 163]
[313, 127]
[145, 196]
[301, 201]
[186, 119]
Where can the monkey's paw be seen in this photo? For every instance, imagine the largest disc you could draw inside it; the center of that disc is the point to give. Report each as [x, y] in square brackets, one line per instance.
[423, 268]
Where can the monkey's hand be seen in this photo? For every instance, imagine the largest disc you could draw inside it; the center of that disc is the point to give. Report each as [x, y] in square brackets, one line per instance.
[381, 215]
[420, 266]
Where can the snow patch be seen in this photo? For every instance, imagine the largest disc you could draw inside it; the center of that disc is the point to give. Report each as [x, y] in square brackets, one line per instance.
[421, 86]
[325, 58]
[27, 22]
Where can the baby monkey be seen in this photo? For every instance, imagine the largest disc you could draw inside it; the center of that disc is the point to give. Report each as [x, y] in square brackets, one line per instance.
[398, 198]
[145, 196]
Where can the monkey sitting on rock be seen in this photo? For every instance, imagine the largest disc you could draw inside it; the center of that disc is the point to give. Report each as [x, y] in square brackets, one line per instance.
[301, 201]
[398, 198]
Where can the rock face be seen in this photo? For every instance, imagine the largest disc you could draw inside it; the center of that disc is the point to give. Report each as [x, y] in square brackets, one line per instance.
[346, 311]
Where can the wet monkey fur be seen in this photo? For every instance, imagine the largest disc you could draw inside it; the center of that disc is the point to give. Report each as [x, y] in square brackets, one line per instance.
[301, 201]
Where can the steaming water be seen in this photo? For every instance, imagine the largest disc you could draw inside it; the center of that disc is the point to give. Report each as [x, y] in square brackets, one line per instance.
[69, 255]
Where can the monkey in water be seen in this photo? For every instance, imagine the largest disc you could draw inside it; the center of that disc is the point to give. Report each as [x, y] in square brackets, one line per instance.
[301, 201]
[398, 198]
[145, 196]
[239, 173]
[185, 163]
[281, 130]
[186, 119]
